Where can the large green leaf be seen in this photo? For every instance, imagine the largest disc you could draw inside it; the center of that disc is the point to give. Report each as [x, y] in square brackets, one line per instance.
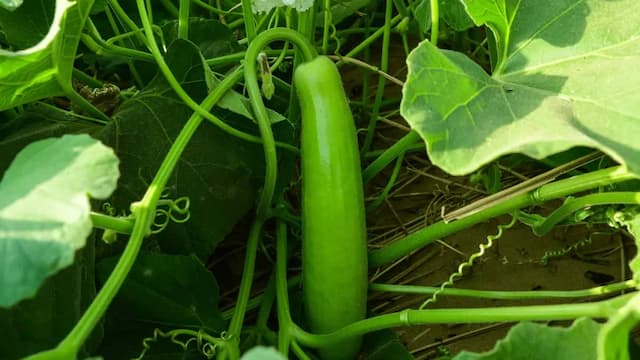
[44, 209]
[43, 69]
[218, 172]
[536, 341]
[162, 291]
[564, 78]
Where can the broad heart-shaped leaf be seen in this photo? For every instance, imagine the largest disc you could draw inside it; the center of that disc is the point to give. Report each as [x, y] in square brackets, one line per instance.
[162, 291]
[565, 80]
[527, 341]
[218, 172]
[44, 209]
[43, 69]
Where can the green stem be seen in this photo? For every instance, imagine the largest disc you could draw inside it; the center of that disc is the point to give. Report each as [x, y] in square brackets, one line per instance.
[266, 305]
[249, 20]
[420, 238]
[435, 22]
[373, 37]
[402, 8]
[282, 294]
[380, 89]
[601, 309]
[264, 203]
[100, 47]
[234, 58]
[504, 295]
[183, 19]
[574, 205]
[392, 180]
[326, 8]
[169, 6]
[400, 147]
[419, 146]
[117, 224]
[124, 17]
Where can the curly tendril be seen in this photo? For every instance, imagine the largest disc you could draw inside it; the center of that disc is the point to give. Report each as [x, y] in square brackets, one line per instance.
[184, 338]
[177, 211]
[469, 263]
[571, 248]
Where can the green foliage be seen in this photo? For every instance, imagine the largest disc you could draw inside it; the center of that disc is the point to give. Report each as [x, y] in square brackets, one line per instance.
[43, 69]
[219, 173]
[530, 340]
[39, 323]
[44, 217]
[161, 291]
[546, 93]
[546, 76]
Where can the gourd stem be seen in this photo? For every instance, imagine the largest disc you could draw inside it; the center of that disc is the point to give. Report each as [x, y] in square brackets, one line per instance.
[505, 295]
[601, 309]
[271, 165]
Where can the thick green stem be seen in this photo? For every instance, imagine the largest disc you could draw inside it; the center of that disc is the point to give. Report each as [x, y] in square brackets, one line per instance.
[282, 294]
[117, 224]
[264, 203]
[435, 21]
[601, 309]
[505, 295]
[249, 20]
[183, 19]
[418, 239]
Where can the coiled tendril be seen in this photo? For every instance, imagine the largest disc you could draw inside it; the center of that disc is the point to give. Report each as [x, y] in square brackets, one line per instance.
[571, 248]
[467, 264]
[206, 344]
[176, 210]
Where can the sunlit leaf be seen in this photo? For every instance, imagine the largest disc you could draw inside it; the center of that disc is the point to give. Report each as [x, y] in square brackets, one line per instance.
[563, 79]
[43, 69]
[44, 209]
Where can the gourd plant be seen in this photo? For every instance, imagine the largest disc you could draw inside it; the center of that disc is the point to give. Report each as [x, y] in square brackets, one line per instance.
[558, 76]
